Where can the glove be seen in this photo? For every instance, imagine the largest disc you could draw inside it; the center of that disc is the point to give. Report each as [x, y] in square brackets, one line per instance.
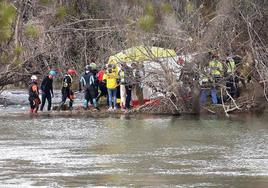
[37, 101]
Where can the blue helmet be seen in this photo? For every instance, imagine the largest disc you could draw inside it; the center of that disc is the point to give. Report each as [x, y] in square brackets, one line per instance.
[52, 73]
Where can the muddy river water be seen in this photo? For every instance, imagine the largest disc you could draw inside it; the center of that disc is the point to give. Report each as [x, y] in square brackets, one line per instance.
[134, 152]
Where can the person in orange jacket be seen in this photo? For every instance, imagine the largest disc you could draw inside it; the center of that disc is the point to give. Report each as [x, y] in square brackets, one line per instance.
[34, 95]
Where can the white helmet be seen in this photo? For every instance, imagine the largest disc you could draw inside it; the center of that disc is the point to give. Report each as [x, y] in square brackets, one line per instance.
[33, 77]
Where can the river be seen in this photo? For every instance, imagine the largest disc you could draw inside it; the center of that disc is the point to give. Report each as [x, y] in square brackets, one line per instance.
[134, 152]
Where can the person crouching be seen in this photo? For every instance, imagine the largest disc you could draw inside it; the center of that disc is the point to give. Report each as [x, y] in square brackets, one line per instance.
[34, 95]
[66, 90]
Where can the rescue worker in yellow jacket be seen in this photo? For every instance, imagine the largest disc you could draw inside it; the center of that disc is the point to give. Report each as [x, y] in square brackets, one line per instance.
[111, 79]
[216, 72]
[230, 76]
[213, 74]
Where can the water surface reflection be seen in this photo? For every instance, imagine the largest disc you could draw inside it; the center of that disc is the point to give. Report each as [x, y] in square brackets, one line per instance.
[126, 152]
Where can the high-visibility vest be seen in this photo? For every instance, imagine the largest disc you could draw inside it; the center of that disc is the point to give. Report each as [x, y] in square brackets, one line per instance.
[231, 66]
[204, 79]
[216, 67]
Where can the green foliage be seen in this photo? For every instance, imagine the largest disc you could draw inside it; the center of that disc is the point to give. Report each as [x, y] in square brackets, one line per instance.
[146, 22]
[167, 8]
[61, 12]
[189, 7]
[18, 50]
[4, 58]
[31, 31]
[45, 2]
[18, 62]
[149, 9]
[7, 16]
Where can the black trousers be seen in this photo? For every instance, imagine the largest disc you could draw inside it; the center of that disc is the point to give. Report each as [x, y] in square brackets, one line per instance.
[103, 92]
[66, 93]
[128, 96]
[46, 96]
[231, 86]
[90, 93]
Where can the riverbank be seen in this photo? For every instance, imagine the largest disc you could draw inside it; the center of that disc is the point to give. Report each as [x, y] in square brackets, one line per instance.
[15, 103]
[21, 112]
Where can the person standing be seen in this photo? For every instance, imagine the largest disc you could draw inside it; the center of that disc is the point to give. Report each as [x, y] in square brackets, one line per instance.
[47, 90]
[230, 79]
[111, 79]
[34, 94]
[216, 70]
[66, 90]
[128, 85]
[205, 86]
[138, 74]
[102, 85]
[122, 86]
[125, 75]
[88, 83]
[85, 78]
[94, 71]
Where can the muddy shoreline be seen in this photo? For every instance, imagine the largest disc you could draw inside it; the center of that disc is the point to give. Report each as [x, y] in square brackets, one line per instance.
[14, 103]
[78, 113]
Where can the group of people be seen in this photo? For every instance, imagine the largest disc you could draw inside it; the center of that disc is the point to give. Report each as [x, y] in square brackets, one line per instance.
[119, 80]
[216, 73]
[112, 82]
[47, 92]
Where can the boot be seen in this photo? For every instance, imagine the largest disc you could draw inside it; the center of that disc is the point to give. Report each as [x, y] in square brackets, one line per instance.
[71, 105]
[85, 104]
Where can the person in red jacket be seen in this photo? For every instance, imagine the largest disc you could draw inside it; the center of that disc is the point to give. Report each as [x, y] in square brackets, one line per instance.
[34, 95]
[102, 85]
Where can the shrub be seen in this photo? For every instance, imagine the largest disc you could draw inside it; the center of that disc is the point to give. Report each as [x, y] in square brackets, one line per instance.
[61, 12]
[45, 2]
[146, 22]
[18, 50]
[7, 15]
[31, 31]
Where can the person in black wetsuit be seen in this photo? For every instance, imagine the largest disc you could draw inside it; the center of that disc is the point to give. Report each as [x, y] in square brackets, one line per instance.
[88, 82]
[66, 90]
[47, 90]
